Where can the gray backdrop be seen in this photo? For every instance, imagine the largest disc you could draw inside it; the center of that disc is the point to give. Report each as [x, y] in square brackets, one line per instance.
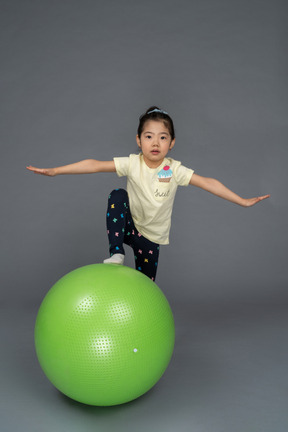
[75, 76]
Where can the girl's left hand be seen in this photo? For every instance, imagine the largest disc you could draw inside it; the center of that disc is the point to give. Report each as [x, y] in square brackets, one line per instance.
[252, 201]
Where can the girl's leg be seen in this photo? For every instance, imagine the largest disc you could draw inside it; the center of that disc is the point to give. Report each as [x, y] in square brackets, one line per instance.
[146, 255]
[117, 218]
[121, 230]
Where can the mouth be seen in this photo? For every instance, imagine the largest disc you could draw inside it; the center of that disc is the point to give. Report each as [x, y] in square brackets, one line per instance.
[155, 152]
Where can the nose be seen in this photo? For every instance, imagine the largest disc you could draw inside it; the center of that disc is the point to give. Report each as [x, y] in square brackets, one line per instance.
[155, 142]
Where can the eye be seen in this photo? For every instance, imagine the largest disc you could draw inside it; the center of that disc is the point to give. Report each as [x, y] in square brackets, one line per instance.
[163, 137]
[148, 136]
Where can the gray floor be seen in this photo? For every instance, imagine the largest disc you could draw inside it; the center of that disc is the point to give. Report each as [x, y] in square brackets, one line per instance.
[228, 373]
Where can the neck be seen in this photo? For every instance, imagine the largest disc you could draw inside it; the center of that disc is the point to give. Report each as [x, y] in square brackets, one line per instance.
[152, 164]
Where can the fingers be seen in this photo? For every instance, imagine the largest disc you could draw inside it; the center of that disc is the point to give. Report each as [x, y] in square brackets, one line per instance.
[264, 197]
[261, 198]
[35, 170]
[42, 171]
[252, 201]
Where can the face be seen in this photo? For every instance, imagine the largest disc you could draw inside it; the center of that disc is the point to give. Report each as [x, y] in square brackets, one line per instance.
[155, 142]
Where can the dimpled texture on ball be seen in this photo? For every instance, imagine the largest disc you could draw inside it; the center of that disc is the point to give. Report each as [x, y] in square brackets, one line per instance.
[104, 334]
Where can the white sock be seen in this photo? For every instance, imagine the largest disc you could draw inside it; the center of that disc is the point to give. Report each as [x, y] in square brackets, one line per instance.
[115, 259]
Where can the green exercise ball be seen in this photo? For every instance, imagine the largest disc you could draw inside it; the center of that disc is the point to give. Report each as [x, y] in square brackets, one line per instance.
[104, 334]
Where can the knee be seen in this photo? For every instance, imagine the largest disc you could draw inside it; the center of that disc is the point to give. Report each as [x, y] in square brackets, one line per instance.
[118, 195]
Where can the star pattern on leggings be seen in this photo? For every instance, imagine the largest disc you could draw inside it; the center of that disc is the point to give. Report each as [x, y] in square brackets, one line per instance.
[123, 230]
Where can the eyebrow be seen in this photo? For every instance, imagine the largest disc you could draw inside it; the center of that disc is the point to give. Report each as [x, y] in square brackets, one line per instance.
[166, 133]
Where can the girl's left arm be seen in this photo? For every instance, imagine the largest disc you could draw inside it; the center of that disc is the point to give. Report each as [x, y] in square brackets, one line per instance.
[217, 188]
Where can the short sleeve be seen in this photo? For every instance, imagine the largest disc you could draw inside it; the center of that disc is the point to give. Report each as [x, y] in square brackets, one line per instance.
[183, 175]
[122, 166]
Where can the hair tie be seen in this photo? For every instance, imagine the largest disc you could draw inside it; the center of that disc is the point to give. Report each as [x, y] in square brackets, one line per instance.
[157, 110]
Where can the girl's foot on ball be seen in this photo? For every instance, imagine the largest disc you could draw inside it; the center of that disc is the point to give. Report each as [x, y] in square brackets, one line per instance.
[115, 259]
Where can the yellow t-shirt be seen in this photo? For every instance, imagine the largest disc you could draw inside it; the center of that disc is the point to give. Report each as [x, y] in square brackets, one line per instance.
[151, 193]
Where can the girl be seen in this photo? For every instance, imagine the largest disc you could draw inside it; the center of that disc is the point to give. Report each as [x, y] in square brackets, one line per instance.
[141, 217]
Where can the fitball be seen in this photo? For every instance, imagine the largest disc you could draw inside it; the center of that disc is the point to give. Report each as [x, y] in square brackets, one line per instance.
[104, 334]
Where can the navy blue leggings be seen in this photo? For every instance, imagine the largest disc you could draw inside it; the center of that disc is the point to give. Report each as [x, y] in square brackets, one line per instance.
[121, 229]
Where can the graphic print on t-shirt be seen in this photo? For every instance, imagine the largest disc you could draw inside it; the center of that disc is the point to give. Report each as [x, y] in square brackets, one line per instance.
[165, 174]
[162, 190]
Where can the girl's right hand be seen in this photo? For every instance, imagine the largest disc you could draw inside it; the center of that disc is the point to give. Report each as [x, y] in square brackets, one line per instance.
[51, 172]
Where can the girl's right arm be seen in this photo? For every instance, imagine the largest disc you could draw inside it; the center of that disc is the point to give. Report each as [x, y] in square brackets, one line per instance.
[87, 166]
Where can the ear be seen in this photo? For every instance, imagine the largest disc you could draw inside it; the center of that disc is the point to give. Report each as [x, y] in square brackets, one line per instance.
[172, 144]
[138, 141]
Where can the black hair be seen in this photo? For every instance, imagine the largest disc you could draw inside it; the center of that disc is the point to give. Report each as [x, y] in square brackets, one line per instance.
[155, 113]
